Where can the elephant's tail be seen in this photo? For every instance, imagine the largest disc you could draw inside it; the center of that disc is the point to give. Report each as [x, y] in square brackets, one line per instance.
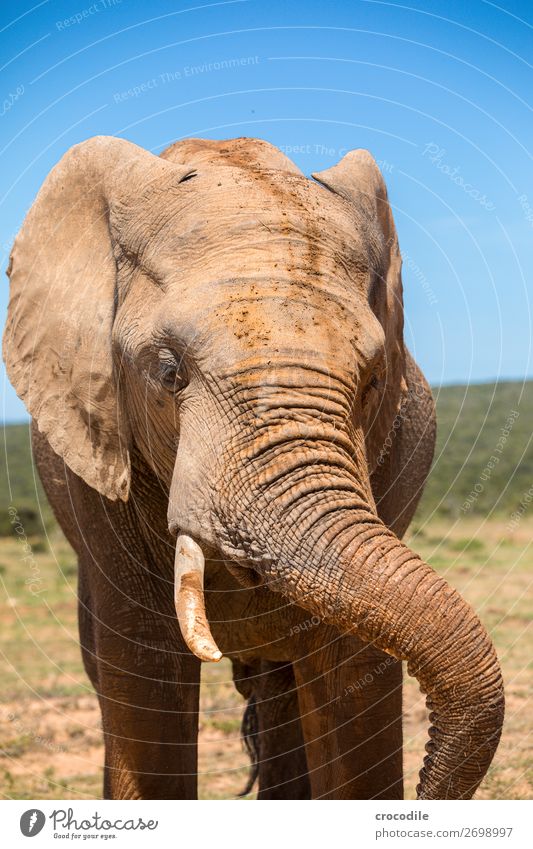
[249, 732]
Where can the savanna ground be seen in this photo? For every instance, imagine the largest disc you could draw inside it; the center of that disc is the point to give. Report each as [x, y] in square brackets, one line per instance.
[50, 737]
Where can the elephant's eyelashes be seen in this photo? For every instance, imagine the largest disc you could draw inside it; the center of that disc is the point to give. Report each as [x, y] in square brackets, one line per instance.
[372, 385]
[172, 371]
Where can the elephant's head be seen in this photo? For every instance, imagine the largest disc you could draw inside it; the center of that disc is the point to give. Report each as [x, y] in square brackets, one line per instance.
[242, 326]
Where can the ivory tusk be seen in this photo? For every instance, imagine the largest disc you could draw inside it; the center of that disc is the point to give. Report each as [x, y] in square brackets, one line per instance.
[189, 565]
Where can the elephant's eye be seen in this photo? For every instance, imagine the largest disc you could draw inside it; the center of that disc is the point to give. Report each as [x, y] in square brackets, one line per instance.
[372, 386]
[172, 372]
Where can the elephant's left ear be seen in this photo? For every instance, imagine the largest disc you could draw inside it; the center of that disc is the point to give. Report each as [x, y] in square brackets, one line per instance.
[358, 179]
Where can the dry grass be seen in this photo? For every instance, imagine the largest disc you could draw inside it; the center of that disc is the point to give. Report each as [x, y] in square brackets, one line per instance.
[50, 737]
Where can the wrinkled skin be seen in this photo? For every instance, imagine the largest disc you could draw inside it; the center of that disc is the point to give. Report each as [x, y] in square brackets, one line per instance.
[211, 345]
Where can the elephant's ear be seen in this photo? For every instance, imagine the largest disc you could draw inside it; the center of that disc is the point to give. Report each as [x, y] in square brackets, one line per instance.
[63, 294]
[358, 179]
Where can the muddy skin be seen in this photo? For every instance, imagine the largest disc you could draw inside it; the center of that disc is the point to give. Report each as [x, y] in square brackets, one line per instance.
[211, 345]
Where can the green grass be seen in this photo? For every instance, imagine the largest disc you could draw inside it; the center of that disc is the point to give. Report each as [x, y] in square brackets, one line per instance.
[39, 627]
[20, 487]
[470, 422]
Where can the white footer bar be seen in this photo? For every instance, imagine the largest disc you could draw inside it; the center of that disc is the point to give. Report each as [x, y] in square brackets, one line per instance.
[268, 825]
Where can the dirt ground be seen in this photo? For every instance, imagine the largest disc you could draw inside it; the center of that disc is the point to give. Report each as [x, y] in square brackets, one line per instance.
[50, 733]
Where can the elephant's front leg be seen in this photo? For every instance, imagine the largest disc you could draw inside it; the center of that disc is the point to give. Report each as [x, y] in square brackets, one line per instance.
[350, 697]
[148, 688]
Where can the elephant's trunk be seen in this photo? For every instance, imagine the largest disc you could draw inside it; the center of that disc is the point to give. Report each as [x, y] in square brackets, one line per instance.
[369, 583]
[292, 499]
[317, 540]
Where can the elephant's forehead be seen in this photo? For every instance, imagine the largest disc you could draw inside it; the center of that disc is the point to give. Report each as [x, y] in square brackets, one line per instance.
[233, 321]
[252, 265]
[233, 223]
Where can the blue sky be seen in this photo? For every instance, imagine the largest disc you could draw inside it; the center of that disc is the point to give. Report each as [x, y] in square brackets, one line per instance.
[437, 91]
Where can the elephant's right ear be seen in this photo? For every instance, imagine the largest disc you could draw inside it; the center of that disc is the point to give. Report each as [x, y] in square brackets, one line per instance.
[63, 295]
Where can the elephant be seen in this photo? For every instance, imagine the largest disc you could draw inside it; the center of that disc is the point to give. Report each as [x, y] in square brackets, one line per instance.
[234, 438]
